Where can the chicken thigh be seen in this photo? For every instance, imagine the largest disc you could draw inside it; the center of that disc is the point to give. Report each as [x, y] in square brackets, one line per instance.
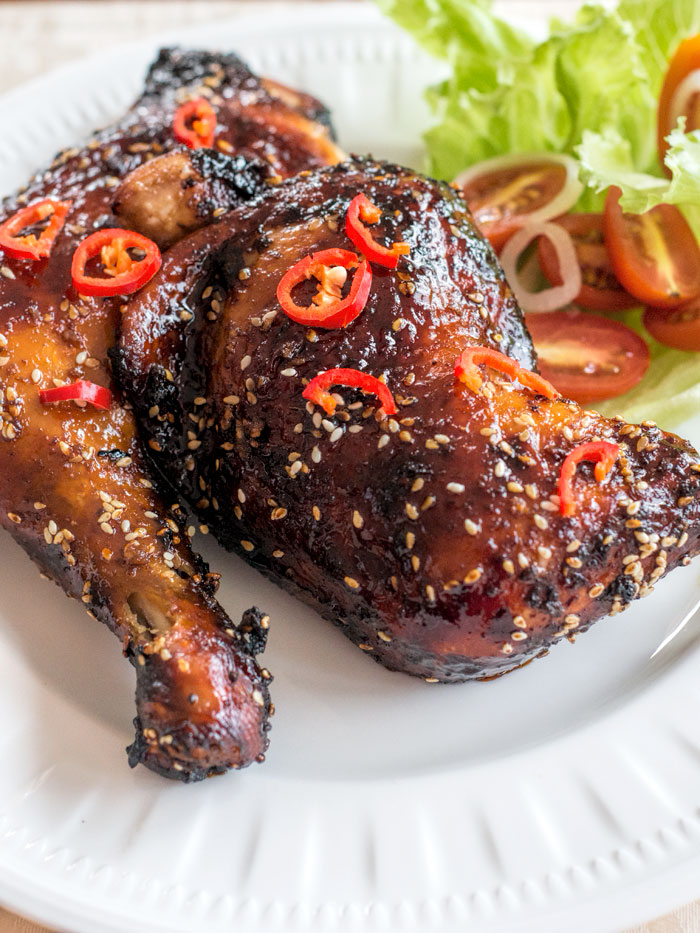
[433, 537]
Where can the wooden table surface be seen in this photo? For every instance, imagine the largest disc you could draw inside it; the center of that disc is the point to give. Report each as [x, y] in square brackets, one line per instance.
[37, 35]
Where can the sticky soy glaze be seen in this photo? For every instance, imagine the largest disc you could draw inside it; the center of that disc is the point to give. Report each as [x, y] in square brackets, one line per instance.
[77, 493]
[433, 538]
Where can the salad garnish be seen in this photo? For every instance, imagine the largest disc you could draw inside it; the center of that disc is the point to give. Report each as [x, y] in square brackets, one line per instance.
[617, 93]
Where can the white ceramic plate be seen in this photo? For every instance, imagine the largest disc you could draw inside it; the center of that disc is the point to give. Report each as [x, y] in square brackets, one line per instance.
[565, 796]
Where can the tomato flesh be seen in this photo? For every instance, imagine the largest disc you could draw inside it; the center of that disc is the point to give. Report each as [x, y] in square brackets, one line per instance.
[686, 59]
[678, 328]
[587, 357]
[654, 255]
[600, 290]
[500, 199]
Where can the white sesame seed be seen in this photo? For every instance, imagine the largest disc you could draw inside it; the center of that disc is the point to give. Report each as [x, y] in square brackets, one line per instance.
[455, 487]
[246, 361]
[290, 371]
[471, 527]
[328, 425]
[316, 454]
[36, 376]
[383, 441]
[442, 439]
[336, 435]
[295, 467]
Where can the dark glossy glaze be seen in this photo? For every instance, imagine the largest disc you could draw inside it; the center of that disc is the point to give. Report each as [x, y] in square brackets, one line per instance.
[76, 492]
[374, 528]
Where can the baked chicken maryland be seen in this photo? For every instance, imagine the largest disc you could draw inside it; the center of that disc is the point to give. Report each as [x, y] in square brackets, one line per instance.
[322, 358]
[75, 491]
[338, 380]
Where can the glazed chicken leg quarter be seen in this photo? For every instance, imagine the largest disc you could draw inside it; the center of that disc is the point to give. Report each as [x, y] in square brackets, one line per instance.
[434, 538]
[75, 491]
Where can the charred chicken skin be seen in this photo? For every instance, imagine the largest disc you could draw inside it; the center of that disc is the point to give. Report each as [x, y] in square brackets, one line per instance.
[433, 537]
[76, 492]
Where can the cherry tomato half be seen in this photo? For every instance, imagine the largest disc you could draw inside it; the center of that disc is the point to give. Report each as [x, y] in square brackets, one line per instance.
[600, 290]
[678, 328]
[685, 61]
[506, 192]
[587, 357]
[654, 255]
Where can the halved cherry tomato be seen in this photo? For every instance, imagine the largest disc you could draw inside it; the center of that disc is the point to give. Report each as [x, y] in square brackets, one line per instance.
[587, 357]
[685, 61]
[600, 290]
[678, 328]
[506, 192]
[654, 255]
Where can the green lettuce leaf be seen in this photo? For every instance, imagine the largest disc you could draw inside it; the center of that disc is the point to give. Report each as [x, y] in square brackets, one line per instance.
[589, 89]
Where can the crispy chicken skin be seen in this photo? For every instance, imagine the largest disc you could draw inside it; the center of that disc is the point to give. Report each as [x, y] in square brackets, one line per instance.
[177, 193]
[433, 539]
[76, 492]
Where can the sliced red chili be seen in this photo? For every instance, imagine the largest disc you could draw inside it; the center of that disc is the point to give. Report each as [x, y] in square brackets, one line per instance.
[194, 124]
[317, 390]
[467, 371]
[14, 242]
[360, 212]
[125, 272]
[328, 308]
[78, 391]
[602, 453]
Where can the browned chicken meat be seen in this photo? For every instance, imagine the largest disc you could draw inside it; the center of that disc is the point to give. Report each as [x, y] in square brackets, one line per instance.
[434, 537]
[76, 492]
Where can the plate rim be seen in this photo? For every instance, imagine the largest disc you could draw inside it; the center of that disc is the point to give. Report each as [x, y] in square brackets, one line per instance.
[15, 891]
